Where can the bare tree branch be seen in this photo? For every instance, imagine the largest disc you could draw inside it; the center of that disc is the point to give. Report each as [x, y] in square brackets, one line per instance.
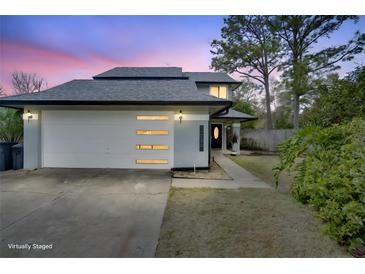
[27, 82]
[256, 77]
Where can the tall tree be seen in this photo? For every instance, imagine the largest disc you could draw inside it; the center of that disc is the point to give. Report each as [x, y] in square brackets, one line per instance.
[299, 34]
[24, 82]
[250, 48]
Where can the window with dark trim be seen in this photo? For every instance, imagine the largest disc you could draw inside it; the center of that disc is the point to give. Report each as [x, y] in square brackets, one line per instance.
[219, 91]
[201, 138]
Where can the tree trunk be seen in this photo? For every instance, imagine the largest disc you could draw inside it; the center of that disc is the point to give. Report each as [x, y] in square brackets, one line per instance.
[268, 104]
[296, 111]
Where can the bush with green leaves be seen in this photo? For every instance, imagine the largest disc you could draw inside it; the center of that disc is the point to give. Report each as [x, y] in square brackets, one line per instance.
[329, 167]
[11, 125]
[337, 100]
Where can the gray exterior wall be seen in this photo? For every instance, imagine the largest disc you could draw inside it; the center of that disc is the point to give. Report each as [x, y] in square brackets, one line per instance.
[32, 141]
[206, 87]
[186, 149]
[186, 141]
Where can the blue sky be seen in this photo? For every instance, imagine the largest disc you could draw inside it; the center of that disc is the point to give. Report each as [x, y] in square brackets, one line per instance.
[61, 48]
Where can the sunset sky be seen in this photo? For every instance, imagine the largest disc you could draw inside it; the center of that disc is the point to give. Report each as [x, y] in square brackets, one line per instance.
[62, 48]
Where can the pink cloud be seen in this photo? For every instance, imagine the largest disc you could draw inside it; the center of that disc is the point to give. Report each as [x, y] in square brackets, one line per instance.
[57, 67]
[54, 66]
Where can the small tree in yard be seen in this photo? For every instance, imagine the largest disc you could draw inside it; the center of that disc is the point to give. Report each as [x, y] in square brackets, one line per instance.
[249, 47]
[299, 34]
[27, 82]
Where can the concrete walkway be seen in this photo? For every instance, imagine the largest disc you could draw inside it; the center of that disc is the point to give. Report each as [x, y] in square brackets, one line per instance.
[241, 177]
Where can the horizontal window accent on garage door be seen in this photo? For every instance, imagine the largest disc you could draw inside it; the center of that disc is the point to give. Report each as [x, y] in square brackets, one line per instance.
[103, 139]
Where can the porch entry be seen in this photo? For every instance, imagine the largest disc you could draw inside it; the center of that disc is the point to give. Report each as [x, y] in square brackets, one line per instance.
[216, 135]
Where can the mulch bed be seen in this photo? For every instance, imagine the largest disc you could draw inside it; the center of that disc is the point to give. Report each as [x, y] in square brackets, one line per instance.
[214, 173]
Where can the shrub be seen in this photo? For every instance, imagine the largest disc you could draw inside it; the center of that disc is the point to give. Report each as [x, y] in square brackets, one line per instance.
[11, 125]
[337, 100]
[330, 176]
[250, 144]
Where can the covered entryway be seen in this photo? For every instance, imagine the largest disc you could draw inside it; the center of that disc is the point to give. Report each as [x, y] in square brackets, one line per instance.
[107, 139]
[230, 121]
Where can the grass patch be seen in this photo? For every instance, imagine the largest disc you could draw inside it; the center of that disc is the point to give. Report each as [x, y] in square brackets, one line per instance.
[261, 166]
[240, 223]
[245, 222]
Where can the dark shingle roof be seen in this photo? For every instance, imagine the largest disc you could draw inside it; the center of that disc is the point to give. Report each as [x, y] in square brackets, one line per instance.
[141, 72]
[233, 114]
[212, 77]
[118, 92]
[164, 73]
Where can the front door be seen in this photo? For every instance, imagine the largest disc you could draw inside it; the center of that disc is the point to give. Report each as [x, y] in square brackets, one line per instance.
[216, 135]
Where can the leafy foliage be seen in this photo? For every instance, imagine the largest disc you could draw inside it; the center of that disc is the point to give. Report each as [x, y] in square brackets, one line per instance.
[299, 34]
[330, 175]
[337, 100]
[249, 47]
[282, 118]
[11, 125]
[245, 107]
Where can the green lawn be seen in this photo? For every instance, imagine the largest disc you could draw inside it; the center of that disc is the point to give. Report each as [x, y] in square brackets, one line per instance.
[261, 166]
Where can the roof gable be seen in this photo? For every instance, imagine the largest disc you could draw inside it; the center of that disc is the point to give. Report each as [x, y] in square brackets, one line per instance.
[210, 77]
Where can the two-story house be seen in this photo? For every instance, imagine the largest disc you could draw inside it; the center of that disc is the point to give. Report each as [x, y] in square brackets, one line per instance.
[129, 117]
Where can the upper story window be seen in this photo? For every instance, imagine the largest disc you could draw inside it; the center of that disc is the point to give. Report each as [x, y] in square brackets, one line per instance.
[219, 91]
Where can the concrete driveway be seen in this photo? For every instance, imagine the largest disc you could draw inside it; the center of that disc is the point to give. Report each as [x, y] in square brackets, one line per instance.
[81, 212]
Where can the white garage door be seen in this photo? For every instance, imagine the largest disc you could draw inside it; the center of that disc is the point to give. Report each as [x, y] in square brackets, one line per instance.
[107, 139]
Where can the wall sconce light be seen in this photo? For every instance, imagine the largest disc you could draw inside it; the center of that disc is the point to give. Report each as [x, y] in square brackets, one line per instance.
[29, 116]
[180, 116]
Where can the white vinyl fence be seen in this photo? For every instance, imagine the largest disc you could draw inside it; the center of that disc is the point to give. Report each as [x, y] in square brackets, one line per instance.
[262, 139]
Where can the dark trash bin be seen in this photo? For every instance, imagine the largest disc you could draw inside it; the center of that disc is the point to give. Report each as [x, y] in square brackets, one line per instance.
[17, 154]
[6, 159]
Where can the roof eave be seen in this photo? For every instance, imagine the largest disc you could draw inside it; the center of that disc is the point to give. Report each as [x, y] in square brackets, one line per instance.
[218, 82]
[139, 78]
[235, 118]
[8, 103]
[236, 83]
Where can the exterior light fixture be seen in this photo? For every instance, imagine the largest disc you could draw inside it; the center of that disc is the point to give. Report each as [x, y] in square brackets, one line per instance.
[30, 116]
[180, 116]
[27, 116]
